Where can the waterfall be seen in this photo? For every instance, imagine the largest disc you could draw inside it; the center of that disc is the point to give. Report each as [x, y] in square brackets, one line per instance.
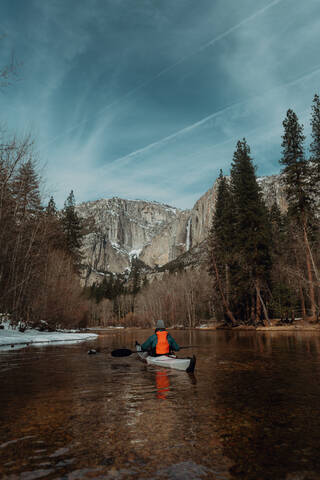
[188, 240]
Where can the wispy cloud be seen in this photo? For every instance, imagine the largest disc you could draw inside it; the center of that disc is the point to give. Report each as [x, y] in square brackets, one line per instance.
[124, 160]
[134, 100]
[166, 70]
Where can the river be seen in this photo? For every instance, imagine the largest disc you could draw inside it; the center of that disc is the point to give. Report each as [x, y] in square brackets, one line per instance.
[250, 410]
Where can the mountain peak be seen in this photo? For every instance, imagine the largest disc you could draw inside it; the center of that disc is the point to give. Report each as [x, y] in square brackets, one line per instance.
[155, 232]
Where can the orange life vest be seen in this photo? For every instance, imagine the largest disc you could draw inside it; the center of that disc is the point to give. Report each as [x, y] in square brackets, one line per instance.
[162, 347]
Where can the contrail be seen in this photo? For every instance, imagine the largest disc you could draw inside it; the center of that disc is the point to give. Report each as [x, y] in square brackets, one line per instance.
[214, 40]
[314, 70]
[169, 68]
[206, 119]
[176, 134]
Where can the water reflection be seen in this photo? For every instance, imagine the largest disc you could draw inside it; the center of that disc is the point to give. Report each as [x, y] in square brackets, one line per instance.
[163, 384]
[249, 412]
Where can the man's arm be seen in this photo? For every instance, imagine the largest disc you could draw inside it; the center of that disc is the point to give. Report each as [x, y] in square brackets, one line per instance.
[147, 344]
[173, 344]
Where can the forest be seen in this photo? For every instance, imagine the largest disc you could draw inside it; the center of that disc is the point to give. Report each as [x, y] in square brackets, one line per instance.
[260, 264]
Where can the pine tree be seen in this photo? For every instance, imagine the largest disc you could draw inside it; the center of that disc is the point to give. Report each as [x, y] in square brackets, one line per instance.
[135, 280]
[296, 171]
[25, 244]
[26, 192]
[221, 245]
[223, 225]
[51, 208]
[279, 230]
[72, 227]
[135, 275]
[299, 189]
[283, 294]
[315, 144]
[55, 235]
[252, 237]
[315, 174]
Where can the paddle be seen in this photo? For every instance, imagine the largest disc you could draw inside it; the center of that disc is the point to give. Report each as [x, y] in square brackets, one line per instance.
[125, 352]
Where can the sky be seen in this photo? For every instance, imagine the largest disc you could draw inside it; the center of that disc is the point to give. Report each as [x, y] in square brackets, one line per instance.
[146, 99]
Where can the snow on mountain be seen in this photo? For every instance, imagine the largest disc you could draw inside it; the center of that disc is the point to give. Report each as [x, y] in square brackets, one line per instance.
[121, 229]
[154, 232]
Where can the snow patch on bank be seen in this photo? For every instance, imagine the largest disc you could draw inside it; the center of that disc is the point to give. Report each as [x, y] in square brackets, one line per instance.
[10, 336]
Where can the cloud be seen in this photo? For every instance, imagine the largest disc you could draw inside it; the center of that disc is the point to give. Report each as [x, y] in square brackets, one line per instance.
[149, 100]
[168, 69]
[126, 159]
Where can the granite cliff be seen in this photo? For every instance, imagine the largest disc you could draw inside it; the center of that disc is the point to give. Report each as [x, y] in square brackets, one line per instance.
[154, 232]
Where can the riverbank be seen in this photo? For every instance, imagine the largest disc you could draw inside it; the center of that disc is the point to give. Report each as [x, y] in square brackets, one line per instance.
[298, 325]
[303, 328]
[12, 338]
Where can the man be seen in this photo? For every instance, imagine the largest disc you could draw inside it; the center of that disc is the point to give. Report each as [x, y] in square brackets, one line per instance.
[161, 342]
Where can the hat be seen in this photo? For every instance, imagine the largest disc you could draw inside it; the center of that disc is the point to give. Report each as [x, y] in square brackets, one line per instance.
[160, 324]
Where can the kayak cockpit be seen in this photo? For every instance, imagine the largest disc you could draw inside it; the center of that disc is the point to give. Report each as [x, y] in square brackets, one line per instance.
[186, 364]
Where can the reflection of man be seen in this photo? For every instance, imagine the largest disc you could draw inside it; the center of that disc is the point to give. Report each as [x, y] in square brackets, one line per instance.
[163, 384]
[161, 342]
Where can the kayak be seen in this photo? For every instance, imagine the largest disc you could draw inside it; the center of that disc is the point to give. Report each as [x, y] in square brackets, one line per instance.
[168, 361]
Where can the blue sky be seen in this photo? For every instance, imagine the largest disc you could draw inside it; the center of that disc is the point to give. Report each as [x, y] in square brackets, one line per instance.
[147, 98]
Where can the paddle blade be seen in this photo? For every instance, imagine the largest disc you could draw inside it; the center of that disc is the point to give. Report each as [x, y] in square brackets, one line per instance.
[121, 352]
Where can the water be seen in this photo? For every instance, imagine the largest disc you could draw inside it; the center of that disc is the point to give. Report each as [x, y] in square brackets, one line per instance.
[250, 411]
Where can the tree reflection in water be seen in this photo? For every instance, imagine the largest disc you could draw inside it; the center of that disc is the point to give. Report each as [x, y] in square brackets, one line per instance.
[250, 412]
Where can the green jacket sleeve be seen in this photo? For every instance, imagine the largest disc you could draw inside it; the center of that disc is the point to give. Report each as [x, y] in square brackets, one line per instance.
[173, 344]
[148, 344]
